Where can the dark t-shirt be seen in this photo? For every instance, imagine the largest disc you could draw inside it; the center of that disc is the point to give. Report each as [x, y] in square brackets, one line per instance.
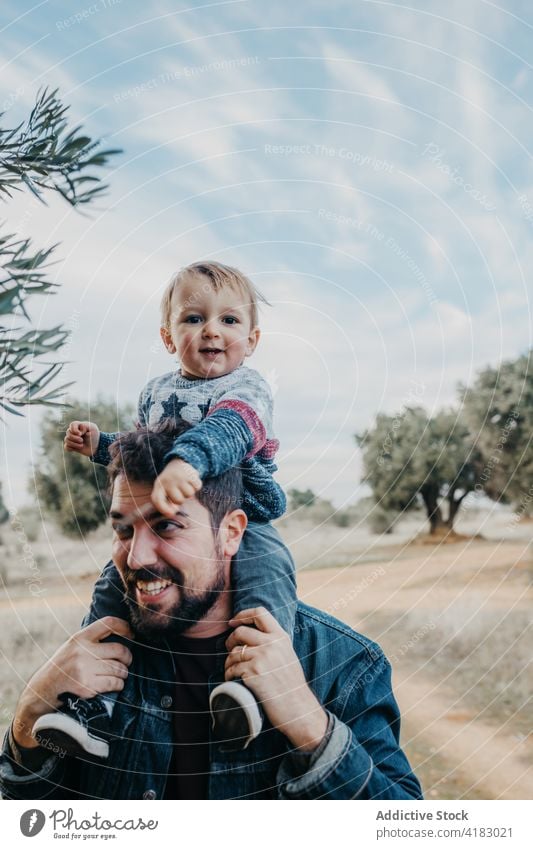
[196, 661]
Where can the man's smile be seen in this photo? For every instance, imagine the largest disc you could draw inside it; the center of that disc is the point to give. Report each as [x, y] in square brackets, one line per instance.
[146, 586]
[152, 588]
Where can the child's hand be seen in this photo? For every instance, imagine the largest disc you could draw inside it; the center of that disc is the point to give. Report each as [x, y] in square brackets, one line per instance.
[177, 482]
[82, 437]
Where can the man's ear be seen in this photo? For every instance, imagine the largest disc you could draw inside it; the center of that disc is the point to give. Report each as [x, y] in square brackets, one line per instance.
[253, 339]
[166, 337]
[232, 528]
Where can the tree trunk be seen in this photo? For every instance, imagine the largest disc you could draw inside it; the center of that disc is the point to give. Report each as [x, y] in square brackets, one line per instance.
[430, 494]
[454, 505]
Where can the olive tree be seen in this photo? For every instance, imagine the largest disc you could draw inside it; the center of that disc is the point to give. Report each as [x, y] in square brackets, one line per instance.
[411, 457]
[41, 155]
[498, 409]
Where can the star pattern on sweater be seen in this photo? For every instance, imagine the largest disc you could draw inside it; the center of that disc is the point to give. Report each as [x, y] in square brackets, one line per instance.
[172, 407]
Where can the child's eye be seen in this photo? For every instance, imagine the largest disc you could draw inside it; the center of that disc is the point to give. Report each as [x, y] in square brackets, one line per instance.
[193, 319]
[230, 319]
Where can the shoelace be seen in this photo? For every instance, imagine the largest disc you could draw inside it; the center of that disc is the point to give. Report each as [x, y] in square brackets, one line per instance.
[82, 707]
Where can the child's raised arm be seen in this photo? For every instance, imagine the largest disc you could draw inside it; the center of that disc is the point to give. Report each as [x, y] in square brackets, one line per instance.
[234, 430]
[82, 437]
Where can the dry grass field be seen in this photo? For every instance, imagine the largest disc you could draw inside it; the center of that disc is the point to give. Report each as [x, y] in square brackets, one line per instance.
[454, 619]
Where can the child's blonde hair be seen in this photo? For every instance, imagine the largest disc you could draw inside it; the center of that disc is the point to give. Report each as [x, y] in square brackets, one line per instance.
[219, 276]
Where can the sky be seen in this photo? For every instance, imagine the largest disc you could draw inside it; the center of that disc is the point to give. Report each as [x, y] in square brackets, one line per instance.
[367, 163]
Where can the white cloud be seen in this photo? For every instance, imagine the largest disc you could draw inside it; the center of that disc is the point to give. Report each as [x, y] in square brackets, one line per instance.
[355, 74]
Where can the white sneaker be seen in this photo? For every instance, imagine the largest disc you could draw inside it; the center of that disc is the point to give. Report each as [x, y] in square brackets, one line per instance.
[237, 717]
[79, 727]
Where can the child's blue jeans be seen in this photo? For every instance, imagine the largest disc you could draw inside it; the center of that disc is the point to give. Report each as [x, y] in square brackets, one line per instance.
[262, 572]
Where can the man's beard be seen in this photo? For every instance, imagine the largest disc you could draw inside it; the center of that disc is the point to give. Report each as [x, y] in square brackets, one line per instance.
[189, 609]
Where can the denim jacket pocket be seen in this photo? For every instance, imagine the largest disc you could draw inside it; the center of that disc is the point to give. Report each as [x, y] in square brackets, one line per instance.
[248, 774]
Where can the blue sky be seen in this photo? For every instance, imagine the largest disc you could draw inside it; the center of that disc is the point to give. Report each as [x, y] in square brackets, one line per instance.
[367, 163]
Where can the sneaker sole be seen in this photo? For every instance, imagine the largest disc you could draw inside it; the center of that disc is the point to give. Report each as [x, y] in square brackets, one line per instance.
[245, 700]
[69, 735]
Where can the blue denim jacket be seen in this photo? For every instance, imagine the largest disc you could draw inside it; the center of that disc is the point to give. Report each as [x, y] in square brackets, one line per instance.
[361, 758]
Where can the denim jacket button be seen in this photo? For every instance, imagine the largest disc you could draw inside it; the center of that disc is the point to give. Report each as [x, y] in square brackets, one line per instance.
[149, 794]
[166, 702]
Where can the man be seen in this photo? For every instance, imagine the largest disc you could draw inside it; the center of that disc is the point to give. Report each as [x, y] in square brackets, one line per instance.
[332, 723]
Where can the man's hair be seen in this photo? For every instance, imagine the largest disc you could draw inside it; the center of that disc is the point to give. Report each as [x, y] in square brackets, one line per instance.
[140, 456]
[218, 276]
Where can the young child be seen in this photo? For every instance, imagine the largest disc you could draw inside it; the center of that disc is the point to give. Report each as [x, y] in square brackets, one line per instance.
[209, 319]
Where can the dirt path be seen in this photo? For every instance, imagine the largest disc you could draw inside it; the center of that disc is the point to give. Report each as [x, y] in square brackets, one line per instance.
[477, 757]
[454, 751]
[428, 579]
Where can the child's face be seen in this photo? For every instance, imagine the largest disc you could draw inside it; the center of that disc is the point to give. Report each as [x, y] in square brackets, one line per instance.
[210, 331]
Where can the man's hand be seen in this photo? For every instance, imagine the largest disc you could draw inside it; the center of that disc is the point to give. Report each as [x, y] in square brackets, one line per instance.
[83, 666]
[177, 482]
[82, 437]
[269, 666]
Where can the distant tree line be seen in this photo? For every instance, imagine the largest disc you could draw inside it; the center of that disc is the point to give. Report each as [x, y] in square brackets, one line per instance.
[411, 460]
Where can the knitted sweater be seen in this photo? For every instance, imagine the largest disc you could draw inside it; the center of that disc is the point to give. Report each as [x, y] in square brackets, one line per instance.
[232, 418]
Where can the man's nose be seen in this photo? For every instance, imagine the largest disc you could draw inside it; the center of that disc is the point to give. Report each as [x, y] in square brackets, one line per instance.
[142, 551]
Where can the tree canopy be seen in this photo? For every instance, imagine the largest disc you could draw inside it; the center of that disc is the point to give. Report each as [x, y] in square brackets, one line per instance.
[498, 410]
[42, 155]
[71, 489]
[301, 498]
[411, 457]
